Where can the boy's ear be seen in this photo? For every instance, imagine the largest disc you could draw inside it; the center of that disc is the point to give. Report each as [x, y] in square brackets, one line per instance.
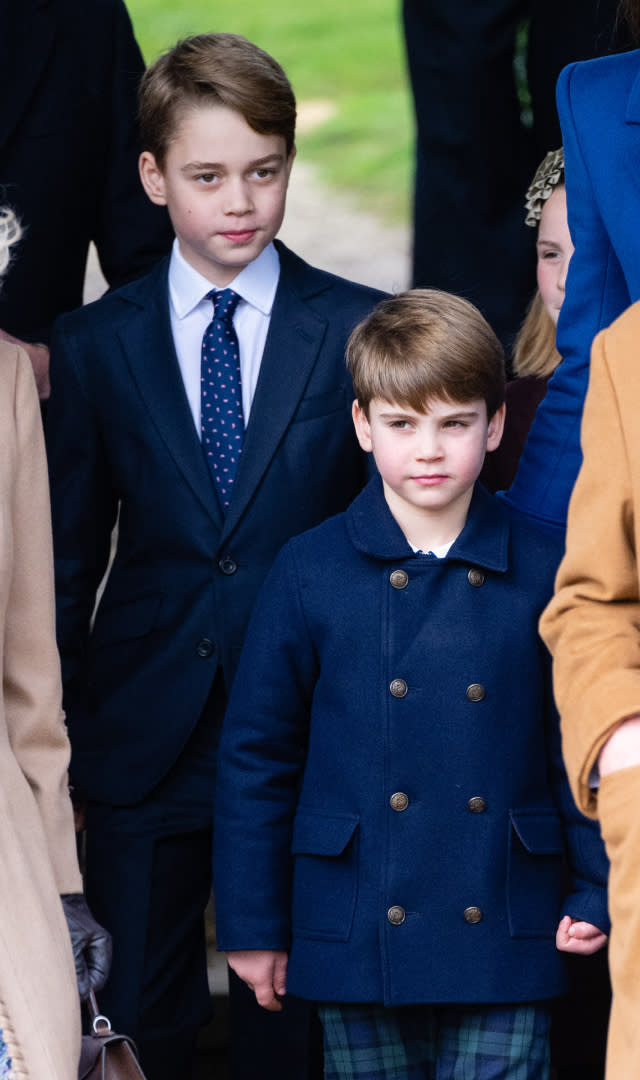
[362, 426]
[152, 178]
[496, 427]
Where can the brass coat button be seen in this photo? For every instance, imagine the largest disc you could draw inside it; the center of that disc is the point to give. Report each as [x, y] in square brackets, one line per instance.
[475, 577]
[398, 688]
[399, 801]
[472, 915]
[477, 805]
[399, 579]
[396, 915]
[475, 692]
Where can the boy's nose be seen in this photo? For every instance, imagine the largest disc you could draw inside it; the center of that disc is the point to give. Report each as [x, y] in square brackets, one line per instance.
[238, 198]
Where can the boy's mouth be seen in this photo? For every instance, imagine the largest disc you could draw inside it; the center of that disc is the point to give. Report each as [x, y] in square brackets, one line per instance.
[239, 236]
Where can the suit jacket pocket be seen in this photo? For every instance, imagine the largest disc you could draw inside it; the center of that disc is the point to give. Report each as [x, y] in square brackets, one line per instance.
[534, 874]
[133, 618]
[325, 874]
[322, 405]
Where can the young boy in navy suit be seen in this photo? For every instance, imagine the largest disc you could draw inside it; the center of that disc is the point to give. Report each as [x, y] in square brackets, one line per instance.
[206, 410]
[392, 809]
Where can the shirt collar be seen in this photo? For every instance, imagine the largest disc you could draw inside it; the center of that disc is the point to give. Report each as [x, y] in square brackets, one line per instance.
[256, 284]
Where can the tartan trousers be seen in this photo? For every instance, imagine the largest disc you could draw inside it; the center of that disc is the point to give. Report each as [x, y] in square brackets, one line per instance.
[436, 1042]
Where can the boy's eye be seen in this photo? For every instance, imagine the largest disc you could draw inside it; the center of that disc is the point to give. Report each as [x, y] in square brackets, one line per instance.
[264, 173]
[207, 178]
[401, 424]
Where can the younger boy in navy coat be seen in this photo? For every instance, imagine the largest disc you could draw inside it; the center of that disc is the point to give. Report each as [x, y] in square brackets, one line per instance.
[206, 408]
[392, 811]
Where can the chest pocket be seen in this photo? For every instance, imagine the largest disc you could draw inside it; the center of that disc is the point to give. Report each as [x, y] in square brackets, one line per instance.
[534, 875]
[325, 874]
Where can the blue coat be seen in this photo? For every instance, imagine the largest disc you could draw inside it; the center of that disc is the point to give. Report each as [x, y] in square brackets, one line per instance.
[599, 109]
[392, 804]
[121, 437]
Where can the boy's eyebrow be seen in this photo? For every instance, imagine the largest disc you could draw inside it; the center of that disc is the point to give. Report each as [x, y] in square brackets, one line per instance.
[201, 166]
[455, 413]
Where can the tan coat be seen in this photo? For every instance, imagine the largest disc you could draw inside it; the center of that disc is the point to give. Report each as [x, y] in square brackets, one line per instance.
[592, 626]
[39, 1011]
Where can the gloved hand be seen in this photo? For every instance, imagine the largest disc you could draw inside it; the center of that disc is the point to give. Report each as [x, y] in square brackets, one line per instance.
[91, 944]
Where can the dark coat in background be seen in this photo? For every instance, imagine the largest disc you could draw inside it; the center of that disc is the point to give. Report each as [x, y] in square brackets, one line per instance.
[69, 74]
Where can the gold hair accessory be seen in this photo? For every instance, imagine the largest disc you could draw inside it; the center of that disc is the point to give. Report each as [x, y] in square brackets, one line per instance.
[549, 174]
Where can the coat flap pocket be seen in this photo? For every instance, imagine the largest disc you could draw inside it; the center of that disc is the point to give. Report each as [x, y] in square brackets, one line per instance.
[317, 833]
[132, 618]
[539, 831]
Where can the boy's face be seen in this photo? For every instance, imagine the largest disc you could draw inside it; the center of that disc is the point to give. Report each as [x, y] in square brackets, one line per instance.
[224, 186]
[429, 461]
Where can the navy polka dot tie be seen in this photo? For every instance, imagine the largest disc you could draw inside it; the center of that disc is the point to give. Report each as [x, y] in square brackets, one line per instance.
[221, 394]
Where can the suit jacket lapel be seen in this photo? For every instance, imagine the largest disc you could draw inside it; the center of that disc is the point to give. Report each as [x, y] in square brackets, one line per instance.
[28, 30]
[148, 343]
[295, 336]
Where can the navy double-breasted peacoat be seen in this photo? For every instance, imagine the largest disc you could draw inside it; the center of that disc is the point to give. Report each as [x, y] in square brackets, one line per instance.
[392, 805]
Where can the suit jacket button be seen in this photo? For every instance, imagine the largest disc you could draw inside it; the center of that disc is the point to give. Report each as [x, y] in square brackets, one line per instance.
[227, 565]
[475, 577]
[396, 915]
[399, 579]
[398, 688]
[477, 805]
[399, 801]
[205, 647]
[472, 915]
[475, 692]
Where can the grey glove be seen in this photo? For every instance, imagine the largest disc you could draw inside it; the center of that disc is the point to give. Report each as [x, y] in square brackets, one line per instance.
[90, 942]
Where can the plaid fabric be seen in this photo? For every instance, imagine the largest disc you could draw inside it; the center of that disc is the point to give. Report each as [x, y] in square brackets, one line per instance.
[436, 1042]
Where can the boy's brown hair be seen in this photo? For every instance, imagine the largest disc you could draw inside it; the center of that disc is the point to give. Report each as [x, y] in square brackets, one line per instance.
[215, 69]
[426, 345]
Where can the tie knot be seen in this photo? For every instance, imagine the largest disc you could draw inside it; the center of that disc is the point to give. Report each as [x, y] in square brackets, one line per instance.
[225, 302]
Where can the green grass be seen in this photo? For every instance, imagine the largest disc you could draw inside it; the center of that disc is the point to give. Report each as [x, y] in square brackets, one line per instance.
[348, 52]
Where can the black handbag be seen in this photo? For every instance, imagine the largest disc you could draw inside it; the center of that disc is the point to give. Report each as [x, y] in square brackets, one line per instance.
[105, 1055]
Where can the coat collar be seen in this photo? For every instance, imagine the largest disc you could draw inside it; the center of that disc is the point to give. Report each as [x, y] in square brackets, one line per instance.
[484, 541]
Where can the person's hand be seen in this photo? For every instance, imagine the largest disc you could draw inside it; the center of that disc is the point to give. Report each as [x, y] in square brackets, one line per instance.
[622, 748]
[39, 357]
[90, 942]
[265, 972]
[581, 938]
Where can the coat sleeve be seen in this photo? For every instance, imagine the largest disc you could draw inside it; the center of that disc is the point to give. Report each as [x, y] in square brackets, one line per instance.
[31, 672]
[261, 759]
[130, 233]
[84, 508]
[596, 294]
[591, 625]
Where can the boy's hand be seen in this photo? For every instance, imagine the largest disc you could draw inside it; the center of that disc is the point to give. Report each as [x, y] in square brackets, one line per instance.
[265, 972]
[582, 938]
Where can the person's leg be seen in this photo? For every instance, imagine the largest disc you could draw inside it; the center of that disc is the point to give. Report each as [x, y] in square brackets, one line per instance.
[372, 1042]
[492, 1042]
[620, 823]
[150, 891]
[474, 158]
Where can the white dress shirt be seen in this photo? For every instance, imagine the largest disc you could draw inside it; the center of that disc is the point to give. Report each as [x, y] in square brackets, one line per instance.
[191, 313]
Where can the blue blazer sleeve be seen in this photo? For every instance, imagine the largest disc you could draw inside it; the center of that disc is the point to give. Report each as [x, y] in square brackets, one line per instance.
[596, 293]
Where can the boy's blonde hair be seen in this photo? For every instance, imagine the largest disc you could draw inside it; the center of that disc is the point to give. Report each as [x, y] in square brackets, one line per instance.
[10, 233]
[426, 345]
[534, 351]
[215, 69]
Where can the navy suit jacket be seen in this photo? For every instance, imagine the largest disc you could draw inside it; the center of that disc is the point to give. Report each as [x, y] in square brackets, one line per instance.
[391, 802]
[599, 109]
[69, 74]
[121, 439]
